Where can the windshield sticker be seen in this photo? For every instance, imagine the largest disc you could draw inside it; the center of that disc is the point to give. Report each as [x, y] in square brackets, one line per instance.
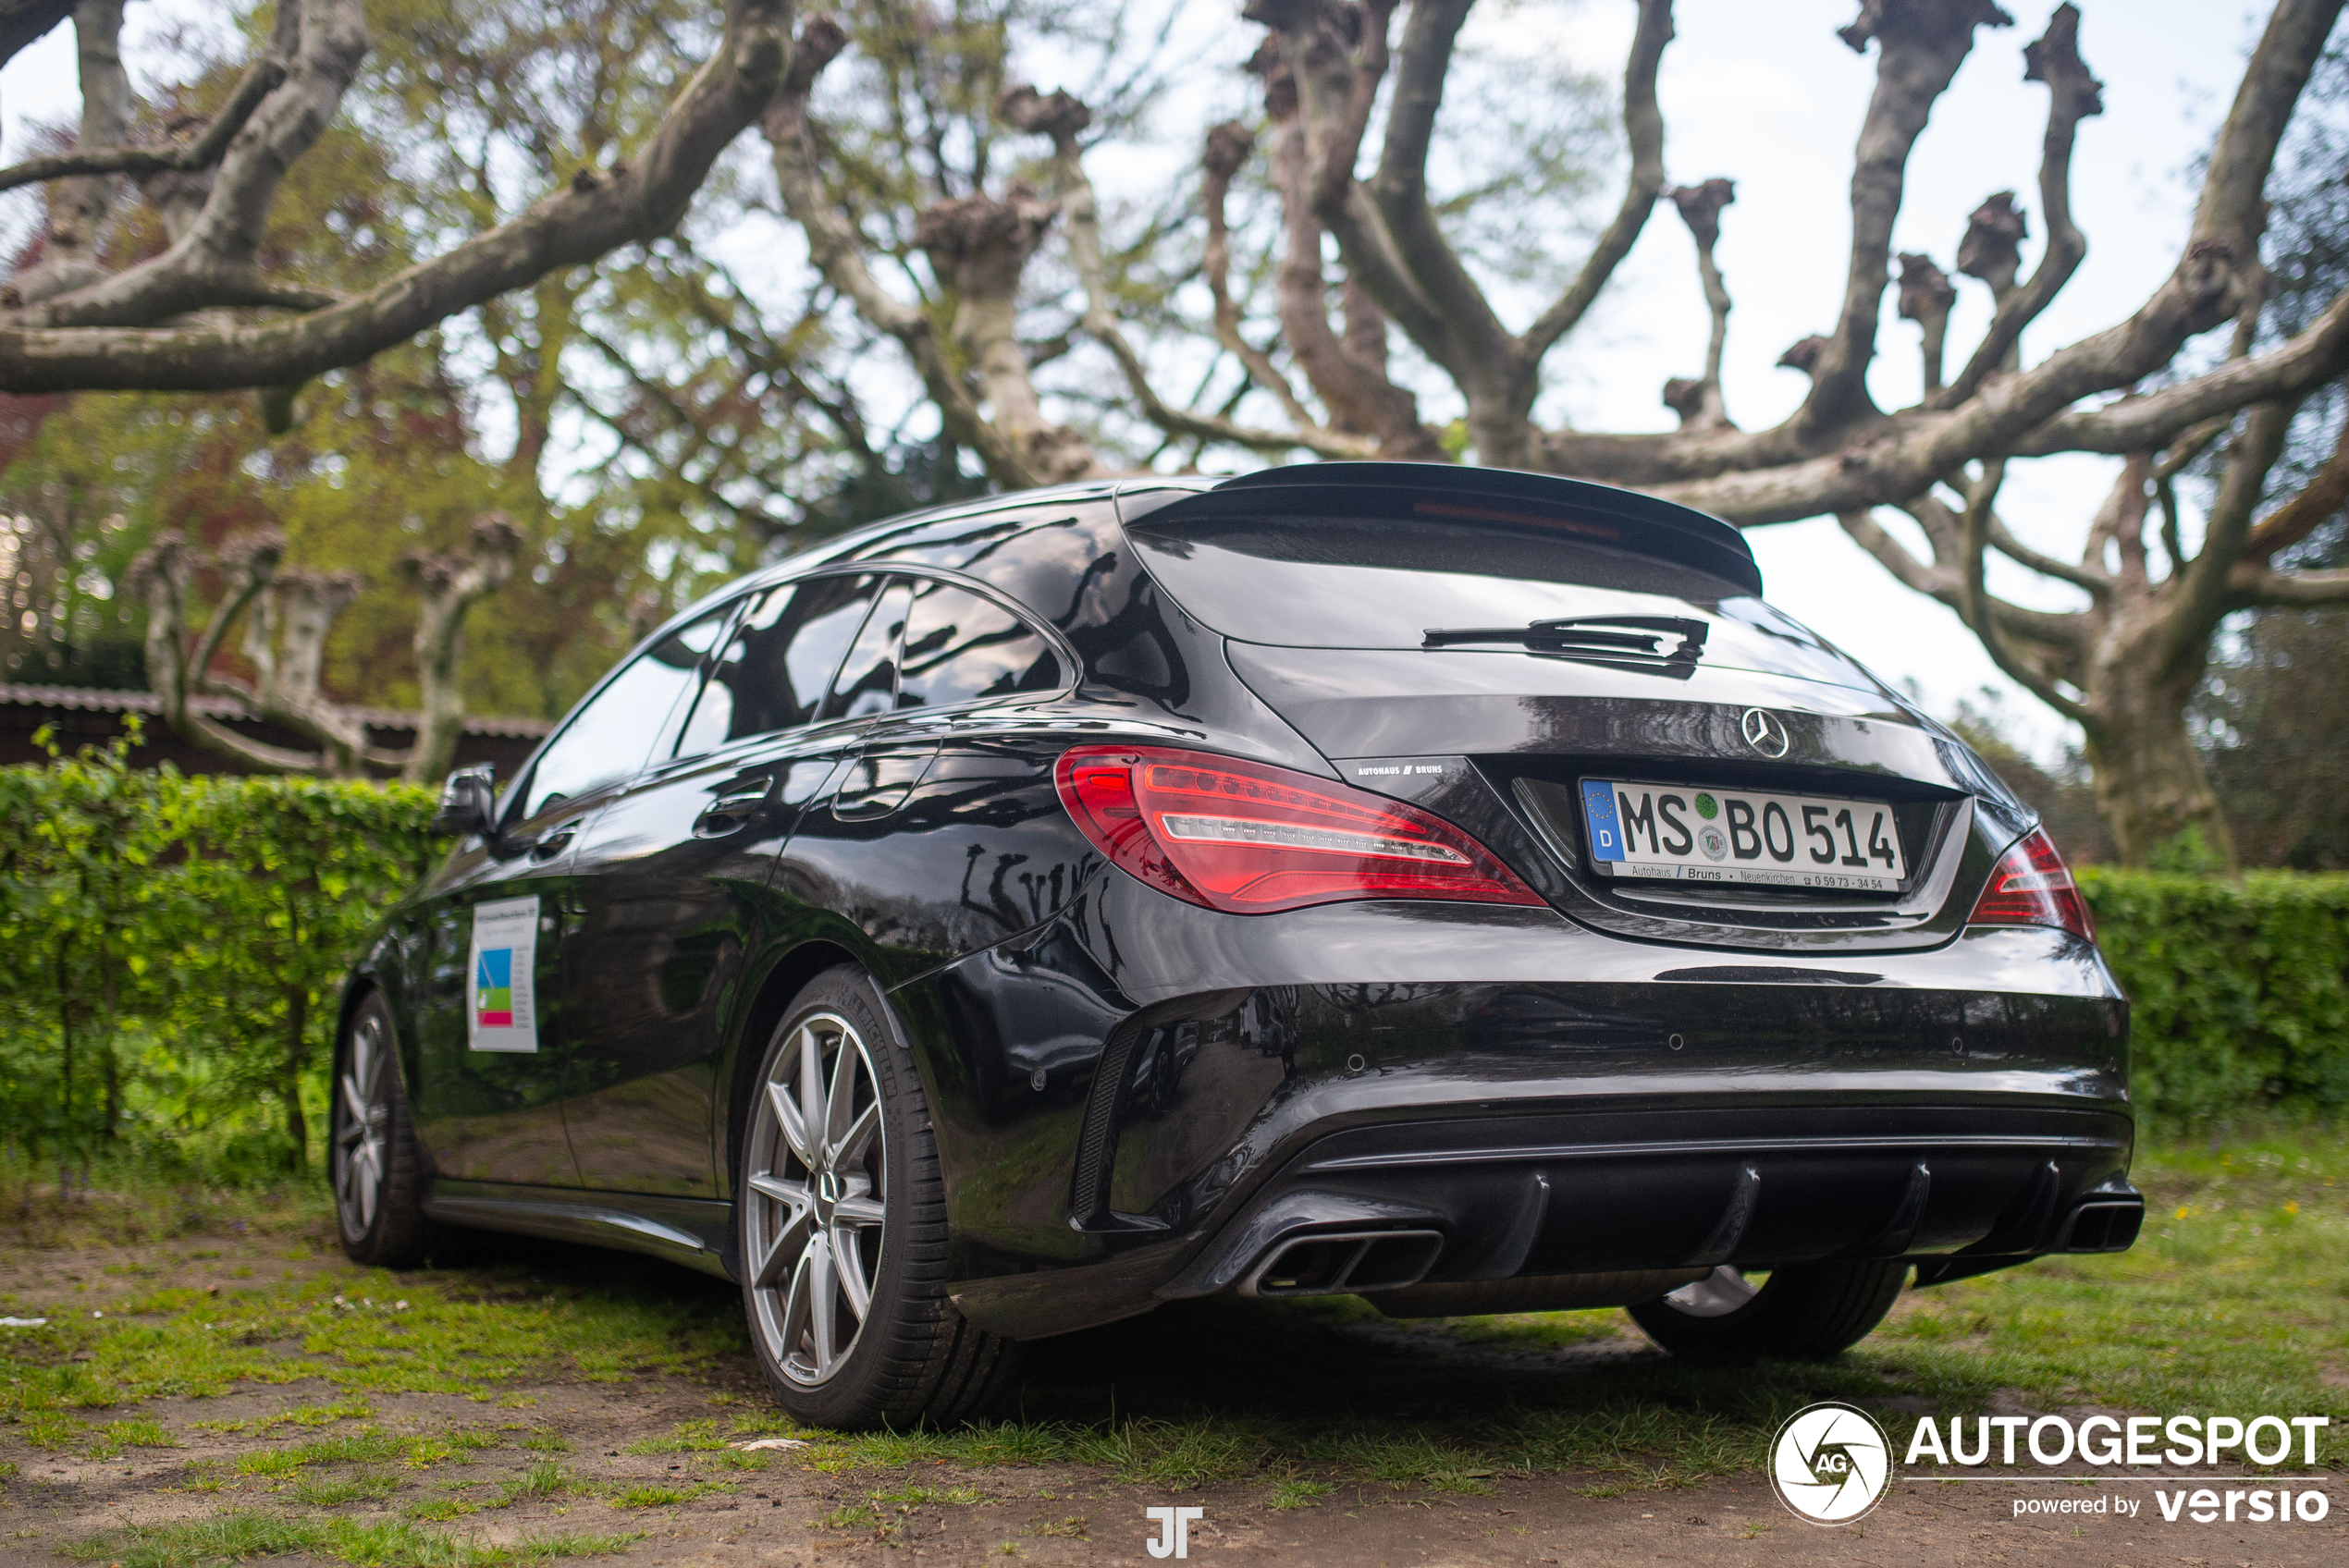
[501, 1008]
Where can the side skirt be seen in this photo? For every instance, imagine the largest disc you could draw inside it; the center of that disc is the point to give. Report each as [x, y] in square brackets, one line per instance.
[693, 1231]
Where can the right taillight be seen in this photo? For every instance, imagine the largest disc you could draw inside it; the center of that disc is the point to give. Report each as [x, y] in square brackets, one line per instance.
[2031, 885]
[1247, 838]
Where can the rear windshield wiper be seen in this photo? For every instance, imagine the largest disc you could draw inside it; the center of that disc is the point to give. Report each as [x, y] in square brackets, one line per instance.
[1587, 639]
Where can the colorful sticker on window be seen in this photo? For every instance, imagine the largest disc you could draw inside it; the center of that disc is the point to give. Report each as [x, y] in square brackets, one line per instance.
[501, 1011]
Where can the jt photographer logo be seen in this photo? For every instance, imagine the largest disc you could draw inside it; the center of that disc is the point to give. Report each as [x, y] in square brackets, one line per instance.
[1174, 1530]
[1831, 1463]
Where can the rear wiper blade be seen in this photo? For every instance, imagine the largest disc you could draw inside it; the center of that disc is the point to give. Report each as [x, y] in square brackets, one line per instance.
[1581, 634]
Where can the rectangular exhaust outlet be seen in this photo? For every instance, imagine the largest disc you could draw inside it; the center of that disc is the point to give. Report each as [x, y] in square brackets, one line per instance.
[2107, 1226]
[1344, 1262]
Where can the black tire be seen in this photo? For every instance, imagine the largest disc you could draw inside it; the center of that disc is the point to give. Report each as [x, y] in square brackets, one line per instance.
[911, 1357]
[378, 1173]
[1803, 1311]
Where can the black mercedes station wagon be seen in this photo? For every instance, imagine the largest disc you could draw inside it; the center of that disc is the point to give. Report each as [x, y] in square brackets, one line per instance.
[1454, 887]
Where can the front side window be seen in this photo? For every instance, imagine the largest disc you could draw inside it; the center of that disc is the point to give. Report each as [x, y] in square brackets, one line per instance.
[609, 739]
[780, 663]
[960, 647]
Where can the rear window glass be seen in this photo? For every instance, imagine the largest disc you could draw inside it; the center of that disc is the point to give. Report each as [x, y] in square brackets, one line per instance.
[1331, 582]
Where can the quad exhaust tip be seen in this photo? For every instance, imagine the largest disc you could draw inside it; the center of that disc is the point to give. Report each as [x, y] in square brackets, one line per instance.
[1335, 1263]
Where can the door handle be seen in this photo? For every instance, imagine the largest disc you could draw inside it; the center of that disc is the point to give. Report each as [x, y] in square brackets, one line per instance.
[553, 844]
[729, 813]
[863, 808]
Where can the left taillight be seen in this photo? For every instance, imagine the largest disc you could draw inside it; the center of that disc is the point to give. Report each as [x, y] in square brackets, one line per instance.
[2031, 885]
[1249, 839]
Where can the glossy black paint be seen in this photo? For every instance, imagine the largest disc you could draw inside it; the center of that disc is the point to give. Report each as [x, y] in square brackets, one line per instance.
[1122, 1084]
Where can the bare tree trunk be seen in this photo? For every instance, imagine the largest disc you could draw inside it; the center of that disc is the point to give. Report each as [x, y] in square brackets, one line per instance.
[2150, 782]
[447, 586]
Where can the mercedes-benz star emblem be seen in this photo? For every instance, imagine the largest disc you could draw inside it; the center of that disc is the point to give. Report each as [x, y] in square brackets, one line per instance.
[1763, 733]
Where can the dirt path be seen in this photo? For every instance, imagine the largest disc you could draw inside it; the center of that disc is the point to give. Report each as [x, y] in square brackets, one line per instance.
[650, 1465]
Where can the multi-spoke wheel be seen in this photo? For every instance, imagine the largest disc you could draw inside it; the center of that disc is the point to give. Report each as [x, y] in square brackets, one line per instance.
[1802, 1311]
[378, 1174]
[842, 1224]
[362, 1128]
[816, 1216]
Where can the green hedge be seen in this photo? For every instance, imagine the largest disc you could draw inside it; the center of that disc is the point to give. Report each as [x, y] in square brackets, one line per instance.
[2238, 991]
[171, 948]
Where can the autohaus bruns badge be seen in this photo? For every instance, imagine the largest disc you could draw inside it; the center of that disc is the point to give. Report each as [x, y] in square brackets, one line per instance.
[1830, 1463]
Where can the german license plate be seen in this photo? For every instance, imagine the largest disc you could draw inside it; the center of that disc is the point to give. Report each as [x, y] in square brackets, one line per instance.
[1692, 835]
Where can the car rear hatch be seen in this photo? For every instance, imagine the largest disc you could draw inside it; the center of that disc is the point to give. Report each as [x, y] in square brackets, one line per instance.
[1589, 680]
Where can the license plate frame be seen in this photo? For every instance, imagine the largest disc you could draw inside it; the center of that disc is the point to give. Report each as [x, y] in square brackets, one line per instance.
[1630, 833]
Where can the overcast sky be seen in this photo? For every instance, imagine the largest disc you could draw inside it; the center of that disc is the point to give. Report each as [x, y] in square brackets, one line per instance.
[1766, 94]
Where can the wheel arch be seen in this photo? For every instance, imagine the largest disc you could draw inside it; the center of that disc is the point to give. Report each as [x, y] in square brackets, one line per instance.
[784, 979]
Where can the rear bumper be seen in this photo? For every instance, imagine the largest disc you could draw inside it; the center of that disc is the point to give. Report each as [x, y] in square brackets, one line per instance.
[1690, 1188]
[1541, 1099]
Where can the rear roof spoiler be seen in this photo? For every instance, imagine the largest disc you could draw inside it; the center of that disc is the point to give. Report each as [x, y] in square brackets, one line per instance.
[1541, 505]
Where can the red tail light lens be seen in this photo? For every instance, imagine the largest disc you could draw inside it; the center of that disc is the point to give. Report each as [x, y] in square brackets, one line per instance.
[1249, 838]
[2031, 885]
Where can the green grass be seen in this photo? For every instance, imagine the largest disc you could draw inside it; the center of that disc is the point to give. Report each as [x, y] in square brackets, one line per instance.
[239, 1536]
[469, 1333]
[367, 1486]
[127, 1201]
[2235, 1299]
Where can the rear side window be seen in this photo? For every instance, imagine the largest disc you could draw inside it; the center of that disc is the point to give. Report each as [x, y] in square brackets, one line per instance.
[609, 739]
[960, 647]
[780, 663]
[867, 683]
[1338, 582]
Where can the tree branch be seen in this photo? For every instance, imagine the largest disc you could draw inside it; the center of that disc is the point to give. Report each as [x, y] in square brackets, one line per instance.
[2299, 590]
[1919, 44]
[1061, 118]
[591, 217]
[160, 575]
[1643, 129]
[837, 249]
[1228, 146]
[2157, 419]
[201, 153]
[447, 586]
[26, 21]
[2074, 94]
[2325, 494]
[1349, 378]
[1334, 58]
[2090, 581]
[67, 248]
[1699, 402]
[1926, 295]
[1978, 609]
[2201, 595]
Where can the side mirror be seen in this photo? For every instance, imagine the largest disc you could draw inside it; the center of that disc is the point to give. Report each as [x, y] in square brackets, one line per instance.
[467, 803]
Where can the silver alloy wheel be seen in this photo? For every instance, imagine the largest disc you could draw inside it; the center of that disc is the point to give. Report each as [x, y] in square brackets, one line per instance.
[1716, 1295]
[814, 1217]
[362, 1143]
